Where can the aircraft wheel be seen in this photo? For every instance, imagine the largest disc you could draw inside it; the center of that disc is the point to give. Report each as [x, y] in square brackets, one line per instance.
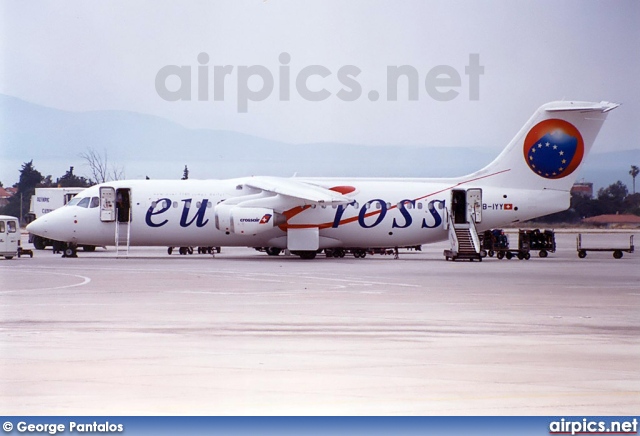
[70, 252]
[273, 251]
[308, 255]
[169, 251]
[38, 242]
[617, 254]
[582, 254]
[8, 257]
[89, 248]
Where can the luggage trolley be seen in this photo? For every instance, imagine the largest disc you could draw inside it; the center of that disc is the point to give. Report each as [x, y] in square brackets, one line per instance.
[543, 241]
[497, 243]
[617, 252]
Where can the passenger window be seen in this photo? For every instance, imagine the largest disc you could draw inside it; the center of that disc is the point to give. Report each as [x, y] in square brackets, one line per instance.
[11, 226]
[84, 202]
[1, 226]
[419, 205]
[95, 202]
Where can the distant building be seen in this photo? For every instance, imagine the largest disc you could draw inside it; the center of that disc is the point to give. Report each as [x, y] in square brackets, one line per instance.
[583, 188]
[614, 220]
[5, 195]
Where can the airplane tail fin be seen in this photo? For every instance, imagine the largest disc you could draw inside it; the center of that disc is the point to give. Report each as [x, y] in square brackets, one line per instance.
[547, 152]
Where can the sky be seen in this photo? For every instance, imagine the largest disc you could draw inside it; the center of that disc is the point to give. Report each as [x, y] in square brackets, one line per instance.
[481, 68]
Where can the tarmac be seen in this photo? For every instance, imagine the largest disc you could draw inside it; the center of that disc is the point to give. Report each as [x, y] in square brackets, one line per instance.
[243, 333]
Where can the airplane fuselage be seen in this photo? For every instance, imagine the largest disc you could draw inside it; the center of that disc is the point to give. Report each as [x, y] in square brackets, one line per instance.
[532, 177]
[396, 212]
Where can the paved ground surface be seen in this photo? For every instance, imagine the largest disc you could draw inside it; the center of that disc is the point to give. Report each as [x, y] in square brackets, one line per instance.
[245, 333]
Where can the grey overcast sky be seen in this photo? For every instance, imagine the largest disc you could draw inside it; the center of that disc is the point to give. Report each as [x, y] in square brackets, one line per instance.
[93, 55]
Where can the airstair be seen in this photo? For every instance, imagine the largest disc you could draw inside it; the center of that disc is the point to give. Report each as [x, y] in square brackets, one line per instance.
[461, 218]
[115, 207]
[464, 240]
[123, 238]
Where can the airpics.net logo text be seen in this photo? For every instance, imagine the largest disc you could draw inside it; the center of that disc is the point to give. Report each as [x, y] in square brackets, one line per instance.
[256, 83]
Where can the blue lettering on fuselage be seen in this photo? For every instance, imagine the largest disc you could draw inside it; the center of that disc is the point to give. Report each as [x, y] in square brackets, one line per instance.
[364, 217]
[437, 219]
[166, 204]
[365, 208]
[405, 213]
[198, 217]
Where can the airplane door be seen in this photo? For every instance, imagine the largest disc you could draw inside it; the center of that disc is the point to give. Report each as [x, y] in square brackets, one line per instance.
[459, 206]
[474, 205]
[107, 204]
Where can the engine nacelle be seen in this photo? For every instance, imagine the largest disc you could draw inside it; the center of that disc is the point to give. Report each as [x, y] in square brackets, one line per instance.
[246, 220]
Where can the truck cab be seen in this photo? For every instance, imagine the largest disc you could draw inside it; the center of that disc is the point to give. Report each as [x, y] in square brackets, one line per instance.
[9, 236]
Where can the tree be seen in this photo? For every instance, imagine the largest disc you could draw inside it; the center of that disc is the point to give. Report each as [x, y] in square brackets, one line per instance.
[99, 166]
[632, 203]
[612, 197]
[71, 180]
[19, 203]
[634, 171]
[185, 173]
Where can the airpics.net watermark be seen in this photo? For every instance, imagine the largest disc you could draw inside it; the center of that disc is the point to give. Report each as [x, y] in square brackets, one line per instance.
[256, 83]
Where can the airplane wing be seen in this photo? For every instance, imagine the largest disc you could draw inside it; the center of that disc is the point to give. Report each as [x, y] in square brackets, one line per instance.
[296, 189]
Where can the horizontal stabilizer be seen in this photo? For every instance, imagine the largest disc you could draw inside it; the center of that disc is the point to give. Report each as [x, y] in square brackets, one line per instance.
[603, 106]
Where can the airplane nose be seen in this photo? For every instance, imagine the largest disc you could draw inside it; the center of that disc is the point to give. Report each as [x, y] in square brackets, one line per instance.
[54, 225]
[37, 227]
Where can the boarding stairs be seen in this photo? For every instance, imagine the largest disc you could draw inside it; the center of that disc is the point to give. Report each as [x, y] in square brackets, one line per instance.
[464, 240]
[123, 238]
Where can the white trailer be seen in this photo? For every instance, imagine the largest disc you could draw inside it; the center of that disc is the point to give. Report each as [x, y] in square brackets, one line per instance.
[46, 200]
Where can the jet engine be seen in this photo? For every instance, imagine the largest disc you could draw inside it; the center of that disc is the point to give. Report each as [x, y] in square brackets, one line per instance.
[246, 220]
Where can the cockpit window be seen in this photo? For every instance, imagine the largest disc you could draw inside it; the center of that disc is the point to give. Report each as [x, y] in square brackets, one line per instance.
[74, 201]
[85, 202]
[95, 202]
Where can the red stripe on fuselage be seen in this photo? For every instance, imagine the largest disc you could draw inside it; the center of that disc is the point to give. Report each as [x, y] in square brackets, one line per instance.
[299, 209]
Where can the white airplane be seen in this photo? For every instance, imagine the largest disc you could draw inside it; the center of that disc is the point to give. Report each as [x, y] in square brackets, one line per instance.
[532, 177]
